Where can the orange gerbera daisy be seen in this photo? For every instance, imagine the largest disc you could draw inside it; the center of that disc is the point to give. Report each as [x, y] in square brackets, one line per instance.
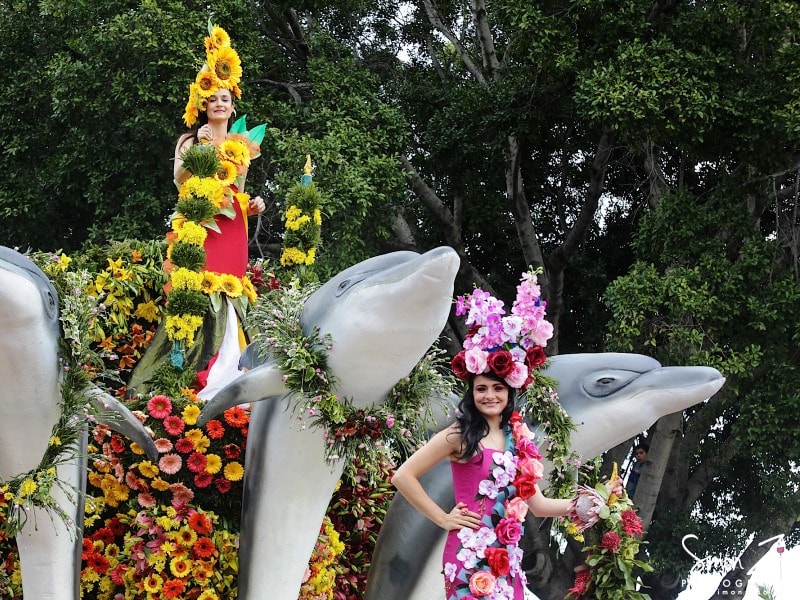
[236, 417]
[200, 523]
[173, 588]
[204, 547]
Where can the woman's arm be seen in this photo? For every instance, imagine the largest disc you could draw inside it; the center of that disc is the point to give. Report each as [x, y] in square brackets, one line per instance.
[178, 172]
[542, 506]
[406, 480]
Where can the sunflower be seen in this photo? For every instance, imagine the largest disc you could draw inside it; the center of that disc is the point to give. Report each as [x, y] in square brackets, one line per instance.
[210, 283]
[207, 83]
[235, 151]
[217, 38]
[153, 583]
[231, 285]
[227, 172]
[226, 65]
[248, 289]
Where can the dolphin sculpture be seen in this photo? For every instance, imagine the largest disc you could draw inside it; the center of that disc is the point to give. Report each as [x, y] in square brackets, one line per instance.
[382, 315]
[30, 405]
[611, 397]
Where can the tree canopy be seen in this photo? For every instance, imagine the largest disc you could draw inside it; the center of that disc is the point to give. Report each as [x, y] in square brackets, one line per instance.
[651, 143]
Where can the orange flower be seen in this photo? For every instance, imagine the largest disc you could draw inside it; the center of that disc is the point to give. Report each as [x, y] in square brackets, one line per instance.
[236, 417]
[200, 523]
[173, 588]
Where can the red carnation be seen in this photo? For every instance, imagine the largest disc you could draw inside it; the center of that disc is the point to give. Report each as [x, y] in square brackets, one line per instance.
[459, 366]
[631, 523]
[501, 362]
[535, 357]
[610, 541]
[498, 561]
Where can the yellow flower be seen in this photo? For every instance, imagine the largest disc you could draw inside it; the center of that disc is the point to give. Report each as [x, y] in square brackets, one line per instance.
[190, 414]
[227, 172]
[27, 488]
[207, 83]
[202, 187]
[193, 105]
[312, 252]
[148, 469]
[210, 282]
[136, 448]
[184, 279]
[148, 311]
[193, 434]
[234, 151]
[233, 471]
[159, 484]
[202, 443]
[153, 583]
[248, 289]
[208, 595]
[317, 217]
[292, 256]
[183, 327]
[217, 38]
[213, 464]
[231, 285]
[192, 233]
[55, 441]
[166, 523]
[226, 65]
[63, 261]
[168, 547]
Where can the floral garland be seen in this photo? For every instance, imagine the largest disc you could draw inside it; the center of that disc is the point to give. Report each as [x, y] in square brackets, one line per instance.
[79, 363]
[491, 555]
[366, 436]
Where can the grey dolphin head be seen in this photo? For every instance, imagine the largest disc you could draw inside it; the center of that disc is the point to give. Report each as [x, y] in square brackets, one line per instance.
[382, 315]
[610, 397]
[21, 281]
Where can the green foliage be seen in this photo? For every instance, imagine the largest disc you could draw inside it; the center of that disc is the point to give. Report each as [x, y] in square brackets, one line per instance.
[188, 256]
[201, 160]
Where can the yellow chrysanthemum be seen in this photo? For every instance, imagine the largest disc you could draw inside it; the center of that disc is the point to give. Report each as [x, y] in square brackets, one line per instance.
[166, 523]
[231, 285]
[292, 256]
[210, 282]
[148, 311]
[168, 547]
[233, 471]
[317, 217]
[202, 187]
[226, 65]
[217, 38]
[213, 464]
[148, 469]
[311, 256]
[186, 279]
[54, 441]
[192, 233]
[190, 414]
[183, 327]
[235, 151]
[28, 487]
[207, 83]
[227, 172]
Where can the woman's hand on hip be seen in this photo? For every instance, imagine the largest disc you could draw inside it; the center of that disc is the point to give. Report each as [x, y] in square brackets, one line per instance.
[461, 517]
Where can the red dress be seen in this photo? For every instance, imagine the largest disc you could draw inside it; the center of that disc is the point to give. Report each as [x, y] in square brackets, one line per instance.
[226, 252]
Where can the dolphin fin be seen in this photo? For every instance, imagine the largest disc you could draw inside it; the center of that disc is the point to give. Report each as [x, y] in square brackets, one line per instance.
[115, 415]
[263, 382]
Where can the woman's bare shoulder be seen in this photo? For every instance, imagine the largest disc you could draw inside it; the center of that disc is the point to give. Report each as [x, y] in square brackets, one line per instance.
[184, 142]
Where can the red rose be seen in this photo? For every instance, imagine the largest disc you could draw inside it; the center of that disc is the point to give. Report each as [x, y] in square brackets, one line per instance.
[526, 486]
[515, 417]
[501, 362]
[498, 561]
[508, 531]
[459, 366]
[535, 357]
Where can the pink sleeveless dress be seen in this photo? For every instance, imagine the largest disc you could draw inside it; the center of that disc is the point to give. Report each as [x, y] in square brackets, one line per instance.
[459, 553]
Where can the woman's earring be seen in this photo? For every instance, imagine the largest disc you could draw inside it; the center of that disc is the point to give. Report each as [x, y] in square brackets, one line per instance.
[234, 111]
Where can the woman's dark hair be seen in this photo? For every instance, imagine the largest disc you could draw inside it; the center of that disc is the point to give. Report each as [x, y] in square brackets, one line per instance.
[472, 423]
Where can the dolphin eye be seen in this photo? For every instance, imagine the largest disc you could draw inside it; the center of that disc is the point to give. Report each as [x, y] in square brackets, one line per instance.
[605, 383]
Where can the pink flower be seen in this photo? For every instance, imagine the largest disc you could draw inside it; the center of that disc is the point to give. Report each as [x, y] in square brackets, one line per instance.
[475, 360]
[184, 445]
[163, 445]
[586, 507]
[516, 508]
[159, 407]
[508, 531]
[146, 500]
[181, 495]
[531, 468]
[610, 541]
[174, 425]
[581, 583]
[170, 463]
[631, 523]
[482, 583]
[526, 449]
[518, 376]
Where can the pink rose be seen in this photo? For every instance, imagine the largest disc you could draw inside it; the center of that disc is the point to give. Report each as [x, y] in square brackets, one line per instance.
[482, 583]
[498, 561]
[526, 449]
[501, 362]
[518, 376]
[531, 468]
[516, 508]
[508, 531]
[475, 360]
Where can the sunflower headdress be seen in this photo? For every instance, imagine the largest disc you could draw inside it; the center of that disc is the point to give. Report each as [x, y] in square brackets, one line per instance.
[222, 70]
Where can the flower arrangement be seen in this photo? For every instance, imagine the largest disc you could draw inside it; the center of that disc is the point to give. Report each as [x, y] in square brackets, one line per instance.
[512, 346]
[303, 220]
[490, 554]
[320, 576]
[222, 69]
[366, 436]
[611, 555]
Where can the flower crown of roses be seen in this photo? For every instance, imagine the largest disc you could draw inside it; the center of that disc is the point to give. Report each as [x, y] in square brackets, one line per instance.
[510, 346]
[222, 70]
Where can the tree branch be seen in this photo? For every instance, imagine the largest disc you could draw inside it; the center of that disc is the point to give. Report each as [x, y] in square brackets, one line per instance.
[490, 63]
[436, 21]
